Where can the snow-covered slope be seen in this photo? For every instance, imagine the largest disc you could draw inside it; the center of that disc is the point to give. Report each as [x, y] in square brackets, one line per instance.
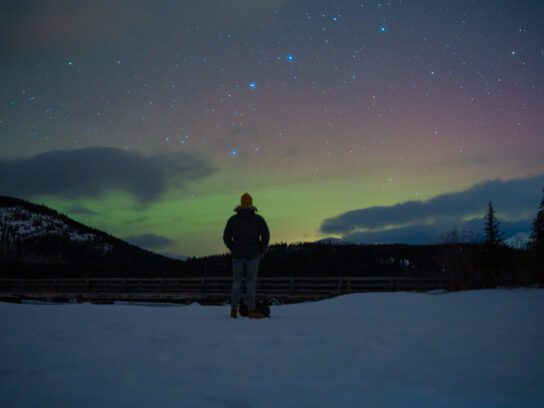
[521, 240]
[20, 224]
[44, 242]
[464, 349]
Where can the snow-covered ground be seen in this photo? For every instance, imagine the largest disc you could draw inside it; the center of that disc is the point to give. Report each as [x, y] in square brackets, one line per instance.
[466, 349]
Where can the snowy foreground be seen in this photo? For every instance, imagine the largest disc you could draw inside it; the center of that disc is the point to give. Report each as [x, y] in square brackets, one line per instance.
[467, 349]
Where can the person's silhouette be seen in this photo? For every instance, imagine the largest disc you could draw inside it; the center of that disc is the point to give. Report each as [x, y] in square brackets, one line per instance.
[246, 235]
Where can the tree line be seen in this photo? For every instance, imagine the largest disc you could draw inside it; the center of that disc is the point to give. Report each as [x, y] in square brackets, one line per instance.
[469, 265]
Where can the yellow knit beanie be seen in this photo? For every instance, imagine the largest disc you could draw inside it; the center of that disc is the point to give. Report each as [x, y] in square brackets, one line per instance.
[246, 201]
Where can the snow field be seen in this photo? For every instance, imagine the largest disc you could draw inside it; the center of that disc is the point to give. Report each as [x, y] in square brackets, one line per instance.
[476, 348]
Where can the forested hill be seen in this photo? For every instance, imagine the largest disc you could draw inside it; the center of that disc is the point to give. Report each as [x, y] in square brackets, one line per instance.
[38, 240]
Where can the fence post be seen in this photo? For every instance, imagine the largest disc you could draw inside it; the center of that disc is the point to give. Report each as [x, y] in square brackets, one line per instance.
[292, 284]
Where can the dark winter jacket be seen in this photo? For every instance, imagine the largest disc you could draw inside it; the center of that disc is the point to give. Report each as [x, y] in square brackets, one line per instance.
[246, 234]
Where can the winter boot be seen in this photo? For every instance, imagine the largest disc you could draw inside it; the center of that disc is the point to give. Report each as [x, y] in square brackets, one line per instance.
[234, 313]
[255, 314]
[243, 310]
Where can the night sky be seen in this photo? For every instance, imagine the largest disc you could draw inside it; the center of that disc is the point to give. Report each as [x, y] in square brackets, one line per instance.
[387, 121]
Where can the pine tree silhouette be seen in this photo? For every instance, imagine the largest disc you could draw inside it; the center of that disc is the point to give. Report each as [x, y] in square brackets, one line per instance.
[537, 232]
[493, 235]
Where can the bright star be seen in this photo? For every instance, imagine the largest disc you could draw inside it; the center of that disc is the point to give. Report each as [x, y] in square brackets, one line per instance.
[290, 57]
[234, 152]
[383, 28]
[252, 85]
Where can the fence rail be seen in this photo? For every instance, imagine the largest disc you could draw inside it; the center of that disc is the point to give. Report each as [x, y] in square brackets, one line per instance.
[207, 289]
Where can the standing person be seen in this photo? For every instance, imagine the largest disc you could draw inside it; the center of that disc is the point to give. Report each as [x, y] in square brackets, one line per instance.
[246, 235]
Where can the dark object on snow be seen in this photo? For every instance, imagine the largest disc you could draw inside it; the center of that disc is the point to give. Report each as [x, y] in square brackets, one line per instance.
[260, 305]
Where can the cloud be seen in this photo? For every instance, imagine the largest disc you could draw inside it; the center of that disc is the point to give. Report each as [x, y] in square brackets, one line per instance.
[80, 210]
[411, 221]
[138, 220]
[149, 241]
[173, 256]
[95, 171]
[429, 233]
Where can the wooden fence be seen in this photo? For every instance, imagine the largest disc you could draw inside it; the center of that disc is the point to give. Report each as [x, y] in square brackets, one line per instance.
[208, 289]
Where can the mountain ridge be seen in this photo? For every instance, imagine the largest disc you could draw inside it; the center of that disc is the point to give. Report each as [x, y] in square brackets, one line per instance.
[35, 233]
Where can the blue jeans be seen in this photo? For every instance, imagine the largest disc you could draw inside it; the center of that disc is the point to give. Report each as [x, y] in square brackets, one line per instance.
[251, 267]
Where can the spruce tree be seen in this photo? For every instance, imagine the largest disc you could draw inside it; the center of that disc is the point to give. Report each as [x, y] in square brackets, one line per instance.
[537, 233]
[493, 236]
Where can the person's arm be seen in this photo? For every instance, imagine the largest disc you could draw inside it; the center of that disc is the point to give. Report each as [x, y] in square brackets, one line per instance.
[264, 234]
[227, 236]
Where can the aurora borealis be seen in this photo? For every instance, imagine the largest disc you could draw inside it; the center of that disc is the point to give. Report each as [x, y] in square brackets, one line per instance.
[149, 119]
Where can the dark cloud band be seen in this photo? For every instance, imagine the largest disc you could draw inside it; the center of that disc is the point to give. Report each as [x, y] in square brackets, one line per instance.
[94, 171]
[149, 241]
[80, 210]
[434, 232]
[513, 199]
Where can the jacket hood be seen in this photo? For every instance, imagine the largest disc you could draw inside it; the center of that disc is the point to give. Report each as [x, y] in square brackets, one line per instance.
[245, 210]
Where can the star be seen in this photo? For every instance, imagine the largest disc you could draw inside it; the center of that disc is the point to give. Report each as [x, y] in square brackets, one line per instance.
[290, 57]
[252, 85]
[383, 28]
